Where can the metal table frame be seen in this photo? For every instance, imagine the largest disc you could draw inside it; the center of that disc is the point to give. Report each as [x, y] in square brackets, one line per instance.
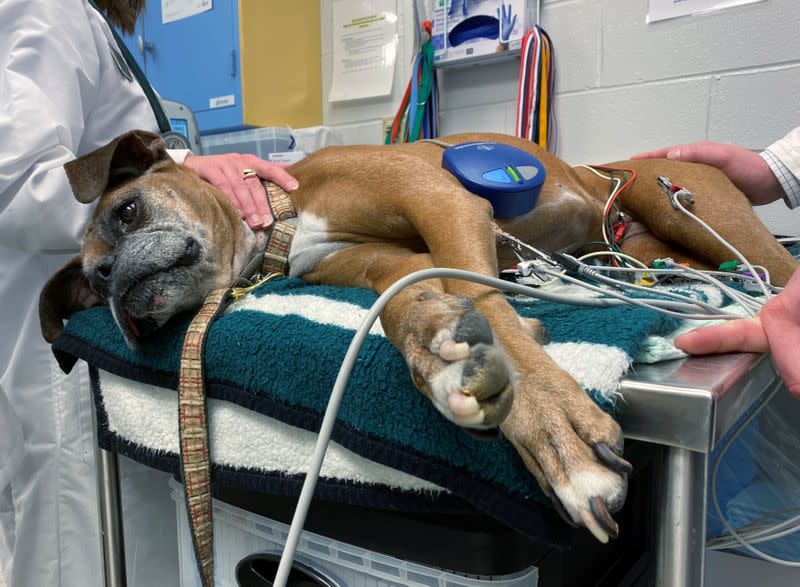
[686, 406]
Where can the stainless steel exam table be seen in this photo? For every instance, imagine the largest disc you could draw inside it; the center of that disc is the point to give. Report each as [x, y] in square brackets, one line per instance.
[685, 405]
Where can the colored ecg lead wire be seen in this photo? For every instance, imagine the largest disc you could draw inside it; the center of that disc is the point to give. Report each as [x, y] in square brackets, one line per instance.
[535, 112]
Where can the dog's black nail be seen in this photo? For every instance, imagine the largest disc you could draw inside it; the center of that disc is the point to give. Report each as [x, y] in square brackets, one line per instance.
[612, 459]
[603, 517]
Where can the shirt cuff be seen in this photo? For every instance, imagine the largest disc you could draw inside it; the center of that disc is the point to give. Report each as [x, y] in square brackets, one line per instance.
[179, 155]
[788, 181]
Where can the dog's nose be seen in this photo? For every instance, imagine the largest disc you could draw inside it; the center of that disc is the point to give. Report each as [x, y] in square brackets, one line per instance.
[191, 254]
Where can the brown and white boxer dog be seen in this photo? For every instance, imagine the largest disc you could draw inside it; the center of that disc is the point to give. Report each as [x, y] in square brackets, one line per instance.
[161, 239]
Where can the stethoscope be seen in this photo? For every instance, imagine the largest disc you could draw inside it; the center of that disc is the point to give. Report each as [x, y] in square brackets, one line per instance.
[129, 68]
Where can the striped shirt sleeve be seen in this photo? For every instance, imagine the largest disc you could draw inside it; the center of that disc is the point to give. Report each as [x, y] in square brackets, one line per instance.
[789, 182]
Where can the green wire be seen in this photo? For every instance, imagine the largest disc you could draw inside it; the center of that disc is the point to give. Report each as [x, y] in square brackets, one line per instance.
[425, 86]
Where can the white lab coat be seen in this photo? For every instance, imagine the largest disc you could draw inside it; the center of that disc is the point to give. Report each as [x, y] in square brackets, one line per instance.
[61, 95]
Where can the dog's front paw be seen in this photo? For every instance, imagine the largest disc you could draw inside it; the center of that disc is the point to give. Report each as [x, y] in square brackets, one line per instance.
[574, 449]
[467, 377]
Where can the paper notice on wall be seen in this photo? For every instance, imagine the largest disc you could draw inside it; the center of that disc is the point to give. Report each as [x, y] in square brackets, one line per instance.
[664, 9]
[172, 10]
[364, 49]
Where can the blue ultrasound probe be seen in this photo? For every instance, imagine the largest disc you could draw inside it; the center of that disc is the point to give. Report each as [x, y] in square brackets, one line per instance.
[509, 178]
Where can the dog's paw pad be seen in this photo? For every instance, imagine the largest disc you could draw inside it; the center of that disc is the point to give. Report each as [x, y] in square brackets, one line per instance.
[474, 389]
[463, 406]
[451, 350]
[473, 328]
[487, 378]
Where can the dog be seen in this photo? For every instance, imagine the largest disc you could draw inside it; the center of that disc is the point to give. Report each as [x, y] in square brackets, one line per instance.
[161, 239]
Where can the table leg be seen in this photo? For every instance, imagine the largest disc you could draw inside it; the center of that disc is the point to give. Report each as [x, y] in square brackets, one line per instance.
[110, 507]
[681, 518]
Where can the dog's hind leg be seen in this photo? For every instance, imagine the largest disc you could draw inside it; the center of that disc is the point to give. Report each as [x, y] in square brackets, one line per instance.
[717, 202]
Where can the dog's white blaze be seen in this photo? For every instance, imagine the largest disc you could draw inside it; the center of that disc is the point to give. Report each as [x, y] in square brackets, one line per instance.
[311, 244]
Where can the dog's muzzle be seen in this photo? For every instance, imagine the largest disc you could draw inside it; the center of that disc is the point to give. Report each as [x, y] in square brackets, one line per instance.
[154, 275]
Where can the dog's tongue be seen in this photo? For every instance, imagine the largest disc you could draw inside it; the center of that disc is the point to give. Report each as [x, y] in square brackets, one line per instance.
[134, 327]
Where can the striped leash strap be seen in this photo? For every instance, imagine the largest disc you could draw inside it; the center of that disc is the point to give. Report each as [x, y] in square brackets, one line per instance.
[279, 241]
[192, 415]
[193, 434]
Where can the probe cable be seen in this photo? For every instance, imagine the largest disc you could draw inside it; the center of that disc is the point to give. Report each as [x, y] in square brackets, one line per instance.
[748, 303]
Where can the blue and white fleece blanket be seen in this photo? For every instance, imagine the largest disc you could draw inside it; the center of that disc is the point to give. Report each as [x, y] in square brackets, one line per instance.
[271, 362]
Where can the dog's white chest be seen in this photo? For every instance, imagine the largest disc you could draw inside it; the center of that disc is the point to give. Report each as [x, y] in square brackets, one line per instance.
[311, 244]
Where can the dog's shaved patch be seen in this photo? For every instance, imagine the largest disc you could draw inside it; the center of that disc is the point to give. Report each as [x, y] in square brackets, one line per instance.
[311, 244]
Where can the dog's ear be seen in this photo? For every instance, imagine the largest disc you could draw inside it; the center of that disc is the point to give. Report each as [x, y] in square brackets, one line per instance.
[64, 294]
[127, 156]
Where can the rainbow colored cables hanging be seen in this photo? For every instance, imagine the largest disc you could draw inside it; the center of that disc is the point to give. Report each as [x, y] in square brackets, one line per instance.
[418, 114]
[535, 114]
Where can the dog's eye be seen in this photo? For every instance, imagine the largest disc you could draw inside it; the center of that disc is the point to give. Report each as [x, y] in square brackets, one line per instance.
[127, 212]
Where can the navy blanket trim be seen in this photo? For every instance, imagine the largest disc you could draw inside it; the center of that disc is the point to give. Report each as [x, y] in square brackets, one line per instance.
[68, 349]
[534, 520]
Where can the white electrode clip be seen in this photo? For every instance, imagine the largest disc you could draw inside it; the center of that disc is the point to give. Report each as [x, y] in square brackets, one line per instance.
[676, 193]
[532, 273]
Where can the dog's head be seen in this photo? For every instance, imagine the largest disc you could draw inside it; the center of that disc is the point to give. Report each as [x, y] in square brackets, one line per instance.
[159, 241]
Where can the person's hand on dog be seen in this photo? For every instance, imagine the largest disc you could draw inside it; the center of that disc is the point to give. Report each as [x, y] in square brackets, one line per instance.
[775, 329]
[745, 168]
[225, 172]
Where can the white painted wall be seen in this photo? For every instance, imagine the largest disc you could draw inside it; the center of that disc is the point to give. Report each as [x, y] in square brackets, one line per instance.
[622, 86]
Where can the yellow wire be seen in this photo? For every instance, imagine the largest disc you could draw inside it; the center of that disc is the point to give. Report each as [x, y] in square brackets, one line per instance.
[542, 138]
[593, 170]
